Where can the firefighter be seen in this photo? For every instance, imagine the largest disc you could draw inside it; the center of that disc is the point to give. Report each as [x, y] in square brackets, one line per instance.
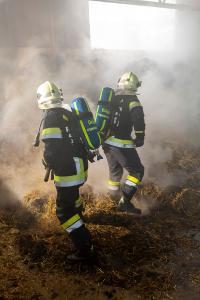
[65, 155]
[119, 146]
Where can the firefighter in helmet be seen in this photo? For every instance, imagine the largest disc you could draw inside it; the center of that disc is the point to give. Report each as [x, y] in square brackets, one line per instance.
[120, 147]
[65, 155]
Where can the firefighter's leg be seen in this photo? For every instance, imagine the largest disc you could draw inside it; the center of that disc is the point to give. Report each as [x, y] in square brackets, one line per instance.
[115, 174]
[71, 221]
[135, 170]
[129, 160]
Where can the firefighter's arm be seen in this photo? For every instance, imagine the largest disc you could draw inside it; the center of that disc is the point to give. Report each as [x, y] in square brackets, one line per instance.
[54, 149]
[137, 116]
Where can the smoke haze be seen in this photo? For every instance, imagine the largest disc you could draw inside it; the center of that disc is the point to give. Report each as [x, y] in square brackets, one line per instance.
[169, 93]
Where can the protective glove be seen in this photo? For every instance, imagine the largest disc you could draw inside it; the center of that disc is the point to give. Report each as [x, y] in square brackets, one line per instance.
[139, 141]
[48, 172]
[91, 155]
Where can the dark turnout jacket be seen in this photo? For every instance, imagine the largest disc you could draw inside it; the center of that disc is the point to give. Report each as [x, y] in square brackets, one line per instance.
[63, 150]
[127, 115]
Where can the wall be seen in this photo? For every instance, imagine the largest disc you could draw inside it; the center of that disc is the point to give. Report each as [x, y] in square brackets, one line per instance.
[46, 23]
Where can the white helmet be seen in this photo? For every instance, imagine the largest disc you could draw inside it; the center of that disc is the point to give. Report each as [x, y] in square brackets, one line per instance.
[128, 83]
[49, 96]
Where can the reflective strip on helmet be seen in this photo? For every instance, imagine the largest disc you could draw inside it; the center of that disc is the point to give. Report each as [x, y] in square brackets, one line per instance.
[134, 104]
[78, 202]
[113, 185]
[132, 181]
[79, 178]
[120, 143]
[51, 133]
[73, 223]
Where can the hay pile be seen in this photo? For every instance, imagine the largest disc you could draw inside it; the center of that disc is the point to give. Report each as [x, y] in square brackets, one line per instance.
[155, 257]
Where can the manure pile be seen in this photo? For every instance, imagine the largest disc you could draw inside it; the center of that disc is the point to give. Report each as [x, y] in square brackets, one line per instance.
[154, 257]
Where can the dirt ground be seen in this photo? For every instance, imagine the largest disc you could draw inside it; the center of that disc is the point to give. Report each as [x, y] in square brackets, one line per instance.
[154, 257]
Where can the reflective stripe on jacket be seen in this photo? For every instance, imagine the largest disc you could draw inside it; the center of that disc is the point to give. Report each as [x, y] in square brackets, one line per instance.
[52, 133]
[119, 142]
[78, 179]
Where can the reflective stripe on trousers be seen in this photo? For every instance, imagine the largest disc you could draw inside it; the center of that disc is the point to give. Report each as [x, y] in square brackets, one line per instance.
[132, 181]
[113, 185]
[78, 203]
[73, 223]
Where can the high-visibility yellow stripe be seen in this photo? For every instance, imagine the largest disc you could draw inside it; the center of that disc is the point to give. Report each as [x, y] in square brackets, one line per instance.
[86, 135]
[139, 131]
[110, 96]
[101, 94]
[105, 110]
[113, 183]
[82, 175]
[134, 104]
[67, 178]
[120, 141]
[83, 128]
[65, 118]
[71, 221]
[78, 202]
[103, 116]
[103, 125]
[76, 109]
[100, 141]
[51, 130]
[96, 113]
[133, 179]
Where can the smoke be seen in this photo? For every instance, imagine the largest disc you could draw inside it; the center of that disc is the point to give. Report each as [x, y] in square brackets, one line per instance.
[169, 94]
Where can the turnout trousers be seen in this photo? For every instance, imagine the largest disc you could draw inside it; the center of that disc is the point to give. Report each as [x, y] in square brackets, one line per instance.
[69, 213]
[120, 159]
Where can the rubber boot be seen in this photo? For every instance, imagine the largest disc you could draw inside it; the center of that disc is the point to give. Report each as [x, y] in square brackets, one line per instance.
[115, 196]
[125, 205]
[82, 241]
[79, 255]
